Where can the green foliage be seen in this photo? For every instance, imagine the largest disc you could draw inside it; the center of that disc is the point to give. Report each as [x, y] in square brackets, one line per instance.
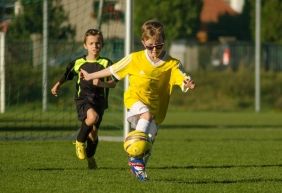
[181, 18]
[24, 85]
[21, 88]
[271, 20]
[31, 21]
[225, 90]
[228, 90]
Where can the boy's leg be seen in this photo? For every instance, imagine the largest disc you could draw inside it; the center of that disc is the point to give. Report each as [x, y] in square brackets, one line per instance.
[152, 133]
[82, 108]
[138, 164]
[80, 140]
[92, 143]
[143, 125]
[139, 118]
[93, 140]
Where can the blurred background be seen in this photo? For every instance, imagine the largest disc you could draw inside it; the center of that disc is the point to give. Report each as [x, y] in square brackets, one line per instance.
[214, 39]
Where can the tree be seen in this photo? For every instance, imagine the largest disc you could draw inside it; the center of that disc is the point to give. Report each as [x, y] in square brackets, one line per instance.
[31, 21]
[271, 20]
[180, 17]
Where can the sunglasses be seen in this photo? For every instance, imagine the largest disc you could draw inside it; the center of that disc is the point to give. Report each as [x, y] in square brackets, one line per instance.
[158, 46]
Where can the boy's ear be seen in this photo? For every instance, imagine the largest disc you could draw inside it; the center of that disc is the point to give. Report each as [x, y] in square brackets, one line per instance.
[84, 46]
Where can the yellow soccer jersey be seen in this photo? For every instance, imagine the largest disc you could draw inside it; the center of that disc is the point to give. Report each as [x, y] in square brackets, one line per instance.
[151, 83]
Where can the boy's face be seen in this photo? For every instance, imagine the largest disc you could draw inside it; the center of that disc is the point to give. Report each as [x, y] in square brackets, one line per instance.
[93, 45]
[154, 46]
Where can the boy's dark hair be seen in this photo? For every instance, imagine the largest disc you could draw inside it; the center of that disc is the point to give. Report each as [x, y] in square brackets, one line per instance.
[93, 32]
[152, 29]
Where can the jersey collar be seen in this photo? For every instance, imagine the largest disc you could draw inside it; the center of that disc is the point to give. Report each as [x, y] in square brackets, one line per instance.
[95, 60]
[158, 63]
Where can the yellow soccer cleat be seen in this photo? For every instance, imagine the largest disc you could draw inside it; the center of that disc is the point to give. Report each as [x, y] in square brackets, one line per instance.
[80, 150]
[92, 165]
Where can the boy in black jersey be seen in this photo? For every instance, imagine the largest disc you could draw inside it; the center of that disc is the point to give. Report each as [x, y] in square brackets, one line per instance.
[91, 96]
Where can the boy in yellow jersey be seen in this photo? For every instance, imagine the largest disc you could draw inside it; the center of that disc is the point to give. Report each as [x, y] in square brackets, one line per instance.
[91, 96]
[152, 74]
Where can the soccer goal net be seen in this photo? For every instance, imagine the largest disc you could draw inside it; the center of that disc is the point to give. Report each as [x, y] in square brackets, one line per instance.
[39, 39]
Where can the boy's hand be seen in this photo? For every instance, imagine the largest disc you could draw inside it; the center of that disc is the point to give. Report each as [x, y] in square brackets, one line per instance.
[189, 84]
[55, 89]
[84, 75]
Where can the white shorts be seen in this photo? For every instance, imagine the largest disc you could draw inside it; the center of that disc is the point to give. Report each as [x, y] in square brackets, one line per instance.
[134, 113]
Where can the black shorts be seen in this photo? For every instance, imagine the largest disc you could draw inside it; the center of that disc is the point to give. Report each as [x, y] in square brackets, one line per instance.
[82, 106]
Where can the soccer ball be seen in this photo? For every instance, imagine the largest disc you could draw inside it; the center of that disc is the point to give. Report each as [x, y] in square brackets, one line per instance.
[137, 143]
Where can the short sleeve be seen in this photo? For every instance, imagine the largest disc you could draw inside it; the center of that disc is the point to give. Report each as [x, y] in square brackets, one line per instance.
[178, 76]
[121, 68]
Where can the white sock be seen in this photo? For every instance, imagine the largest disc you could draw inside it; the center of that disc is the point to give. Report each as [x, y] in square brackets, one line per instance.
[143, 125]
[152, 130]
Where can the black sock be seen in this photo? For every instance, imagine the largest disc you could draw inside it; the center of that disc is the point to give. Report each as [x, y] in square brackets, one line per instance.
[83, 132]
[91, 146]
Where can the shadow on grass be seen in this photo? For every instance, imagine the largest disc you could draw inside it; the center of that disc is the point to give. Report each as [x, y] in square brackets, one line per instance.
[57, 127]
[234, 139]
[51, 128]
[162, 167]
[216, 166]
[75, 168]
[217, 126]
[182, 181]
[235, 181]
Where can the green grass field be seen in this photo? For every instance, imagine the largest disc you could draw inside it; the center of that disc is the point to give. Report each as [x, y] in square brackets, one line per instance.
[193, 153]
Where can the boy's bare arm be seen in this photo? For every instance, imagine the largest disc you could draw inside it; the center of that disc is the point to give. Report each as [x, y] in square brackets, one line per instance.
[55, 88]
[100, 74]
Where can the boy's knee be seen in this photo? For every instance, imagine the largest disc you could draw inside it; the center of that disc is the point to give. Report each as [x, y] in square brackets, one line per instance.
[146, 115]
[91, 118]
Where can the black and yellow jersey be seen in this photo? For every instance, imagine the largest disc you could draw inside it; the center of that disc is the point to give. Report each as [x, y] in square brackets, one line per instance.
[85, 90]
